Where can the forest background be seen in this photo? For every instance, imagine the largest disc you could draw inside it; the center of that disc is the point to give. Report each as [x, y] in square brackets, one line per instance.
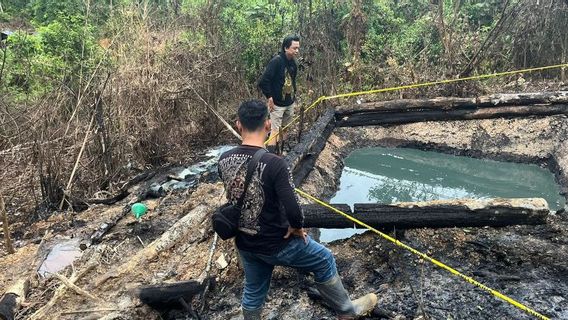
[120, 86]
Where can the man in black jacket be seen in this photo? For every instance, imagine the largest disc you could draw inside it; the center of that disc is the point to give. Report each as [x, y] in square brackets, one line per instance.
[271, 224]
[278, 84]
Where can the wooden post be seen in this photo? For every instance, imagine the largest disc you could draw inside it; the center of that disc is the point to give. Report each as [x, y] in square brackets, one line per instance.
[6, 226]
[301, 125]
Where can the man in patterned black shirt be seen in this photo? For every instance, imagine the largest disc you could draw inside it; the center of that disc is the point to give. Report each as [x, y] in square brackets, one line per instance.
[271, 224]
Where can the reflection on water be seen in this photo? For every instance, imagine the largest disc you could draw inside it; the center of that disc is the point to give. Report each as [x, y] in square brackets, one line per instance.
[61, 255]
[386, 175]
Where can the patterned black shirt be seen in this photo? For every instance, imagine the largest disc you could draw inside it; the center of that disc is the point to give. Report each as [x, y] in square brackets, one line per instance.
[270, 204]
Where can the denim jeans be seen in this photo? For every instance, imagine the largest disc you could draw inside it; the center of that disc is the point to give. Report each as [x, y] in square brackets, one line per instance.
[309, 257]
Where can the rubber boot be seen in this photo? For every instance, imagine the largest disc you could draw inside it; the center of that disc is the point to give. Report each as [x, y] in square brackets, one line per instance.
[336, 297]
[252, 314]
[365, 304]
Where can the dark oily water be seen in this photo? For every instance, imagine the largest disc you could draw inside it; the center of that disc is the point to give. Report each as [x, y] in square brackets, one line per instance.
[387, 175]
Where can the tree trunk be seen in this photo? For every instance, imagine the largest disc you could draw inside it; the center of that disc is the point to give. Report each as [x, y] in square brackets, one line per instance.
[433, 214]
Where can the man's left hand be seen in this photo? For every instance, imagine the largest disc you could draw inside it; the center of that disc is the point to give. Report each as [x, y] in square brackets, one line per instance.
[298, 233]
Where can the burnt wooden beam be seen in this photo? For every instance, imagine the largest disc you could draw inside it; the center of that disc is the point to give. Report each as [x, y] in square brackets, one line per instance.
[303, 157]
[433, 214]
[177, 295]
[375, 117]
[449, 103]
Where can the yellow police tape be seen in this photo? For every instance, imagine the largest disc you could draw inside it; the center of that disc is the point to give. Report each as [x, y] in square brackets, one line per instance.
[426, 257]
[412, 86]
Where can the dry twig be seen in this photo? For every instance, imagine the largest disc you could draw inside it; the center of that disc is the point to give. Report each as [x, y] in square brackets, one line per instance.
[75, 288]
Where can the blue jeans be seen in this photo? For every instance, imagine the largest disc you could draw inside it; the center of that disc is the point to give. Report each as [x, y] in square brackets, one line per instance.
[309, 257]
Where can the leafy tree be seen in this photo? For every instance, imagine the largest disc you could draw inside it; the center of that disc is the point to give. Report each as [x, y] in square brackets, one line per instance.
[46, 11]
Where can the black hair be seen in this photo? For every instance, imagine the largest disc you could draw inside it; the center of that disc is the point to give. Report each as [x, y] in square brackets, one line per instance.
[252, 114]
[287, 42]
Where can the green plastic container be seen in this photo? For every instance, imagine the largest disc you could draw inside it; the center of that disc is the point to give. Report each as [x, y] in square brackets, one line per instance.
[139, 209]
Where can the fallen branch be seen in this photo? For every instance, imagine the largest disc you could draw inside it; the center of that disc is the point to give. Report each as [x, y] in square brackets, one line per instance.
[453, 103]
[301, 159]
[205, 272]
[90, 311]
[75, 288]
[123, 191]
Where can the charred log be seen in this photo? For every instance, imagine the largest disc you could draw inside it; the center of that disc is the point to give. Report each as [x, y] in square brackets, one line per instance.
[435, 214]
[369, 118]
[443, 103]
[303, 157]
[170, 295]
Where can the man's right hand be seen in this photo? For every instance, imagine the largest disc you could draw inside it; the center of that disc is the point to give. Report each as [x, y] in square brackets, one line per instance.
[270, 104]
[298, 233]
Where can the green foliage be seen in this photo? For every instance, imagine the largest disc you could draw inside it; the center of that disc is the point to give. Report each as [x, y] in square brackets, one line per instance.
[22, 72]
[57, 53]
[13, 8]
[400, 32]
[256, 28]
[398, 29]
[46, 11]
[481, 13]
[5, 17]
[68, 42]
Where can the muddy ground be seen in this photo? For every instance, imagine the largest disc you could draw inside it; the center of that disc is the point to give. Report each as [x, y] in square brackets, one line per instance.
[528, 263]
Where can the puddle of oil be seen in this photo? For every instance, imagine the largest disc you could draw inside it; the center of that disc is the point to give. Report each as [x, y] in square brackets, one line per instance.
[389, 175]
[61, 255]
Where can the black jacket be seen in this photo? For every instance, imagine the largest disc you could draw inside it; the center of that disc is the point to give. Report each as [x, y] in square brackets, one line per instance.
[273, 81]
